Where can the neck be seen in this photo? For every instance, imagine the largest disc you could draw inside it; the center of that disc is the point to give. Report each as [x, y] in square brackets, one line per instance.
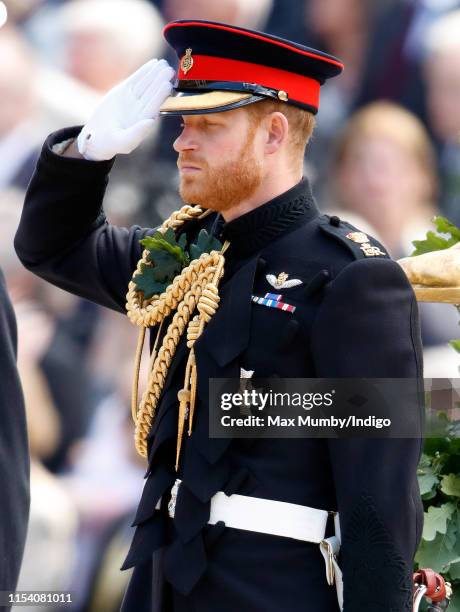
[270, 188]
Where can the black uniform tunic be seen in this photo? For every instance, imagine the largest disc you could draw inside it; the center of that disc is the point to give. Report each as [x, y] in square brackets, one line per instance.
[359, 319]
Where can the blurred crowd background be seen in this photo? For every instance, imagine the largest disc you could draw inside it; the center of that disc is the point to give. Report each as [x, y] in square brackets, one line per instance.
[385, 156]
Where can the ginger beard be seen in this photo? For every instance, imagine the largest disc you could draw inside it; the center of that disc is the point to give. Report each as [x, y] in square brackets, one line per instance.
[220, 187]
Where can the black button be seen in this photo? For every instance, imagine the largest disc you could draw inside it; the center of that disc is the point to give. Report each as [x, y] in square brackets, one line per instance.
[334, 220]
[318, 281]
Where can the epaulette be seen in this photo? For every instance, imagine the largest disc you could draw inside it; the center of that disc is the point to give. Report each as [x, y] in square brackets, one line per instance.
[360, 244]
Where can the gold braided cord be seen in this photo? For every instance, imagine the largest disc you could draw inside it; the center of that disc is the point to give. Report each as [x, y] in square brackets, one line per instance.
[195, 287]
[192, 281]
[137, 368]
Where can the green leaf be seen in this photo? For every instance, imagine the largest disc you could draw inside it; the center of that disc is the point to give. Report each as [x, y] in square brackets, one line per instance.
[450, 485]
[166, 266]
[438, 553]
[165, 242]
[153, 242]
[435, 520]
[205, 244]
[454, 569]
[431, 495]
[427, 481]
[147, 283]
[427, 477]
[434, 242]
[425, 461]
[444, 226]
[432, 553]
[182, 242]
[455, 601]
[170, 236]
[455, 344]
[451, 541]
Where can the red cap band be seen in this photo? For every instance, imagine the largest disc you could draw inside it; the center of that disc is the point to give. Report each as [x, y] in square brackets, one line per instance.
[207, 68]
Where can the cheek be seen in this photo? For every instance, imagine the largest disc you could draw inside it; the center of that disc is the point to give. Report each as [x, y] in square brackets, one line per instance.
[226, 148]
[219, 151]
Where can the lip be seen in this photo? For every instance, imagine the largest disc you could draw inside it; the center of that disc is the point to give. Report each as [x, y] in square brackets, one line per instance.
[189, 169]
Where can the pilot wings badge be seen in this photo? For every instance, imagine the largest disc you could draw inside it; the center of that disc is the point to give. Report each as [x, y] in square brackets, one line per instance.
[281, 281]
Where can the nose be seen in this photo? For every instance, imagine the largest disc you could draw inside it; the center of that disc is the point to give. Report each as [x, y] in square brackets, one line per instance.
[185, 141]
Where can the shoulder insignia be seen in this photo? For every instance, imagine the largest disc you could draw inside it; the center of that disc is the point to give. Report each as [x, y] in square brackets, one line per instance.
[359, 243]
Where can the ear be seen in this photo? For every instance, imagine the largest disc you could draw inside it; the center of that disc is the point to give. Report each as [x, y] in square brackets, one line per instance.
[277, 132]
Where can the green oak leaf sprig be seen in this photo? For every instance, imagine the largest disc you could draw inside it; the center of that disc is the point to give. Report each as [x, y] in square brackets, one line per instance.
[167, 257]
[167, 243]
[435, 242]
[205, 244]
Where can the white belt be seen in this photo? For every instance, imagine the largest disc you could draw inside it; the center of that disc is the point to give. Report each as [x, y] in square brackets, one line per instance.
[276, 518]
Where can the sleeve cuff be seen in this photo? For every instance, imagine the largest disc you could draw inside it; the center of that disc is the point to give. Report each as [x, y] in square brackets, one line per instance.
[52, 162]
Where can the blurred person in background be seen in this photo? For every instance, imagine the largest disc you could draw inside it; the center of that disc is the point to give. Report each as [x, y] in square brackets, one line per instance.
[120, 34]
[285, 19]
[19, 132]
[442, 73]
[53, 515]
[342, 28]
[14, 455]
[244, 13]
[55, 324]
[384, 170]
[394, 60]
[51, 428]
[106, 495]
[21, 10]
[34, 99]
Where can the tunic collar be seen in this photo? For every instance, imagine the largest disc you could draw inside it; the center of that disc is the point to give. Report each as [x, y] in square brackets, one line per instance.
[253, 230]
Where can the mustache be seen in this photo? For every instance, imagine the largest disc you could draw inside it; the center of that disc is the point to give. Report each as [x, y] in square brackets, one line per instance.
[183, 158]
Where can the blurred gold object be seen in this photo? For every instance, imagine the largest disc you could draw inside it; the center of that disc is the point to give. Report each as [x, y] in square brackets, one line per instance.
[435, 276]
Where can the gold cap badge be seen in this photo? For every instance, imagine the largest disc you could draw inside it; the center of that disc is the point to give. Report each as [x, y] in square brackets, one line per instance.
[187, 61]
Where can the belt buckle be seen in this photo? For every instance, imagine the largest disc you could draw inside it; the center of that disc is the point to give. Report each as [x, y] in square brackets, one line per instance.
[172, 501]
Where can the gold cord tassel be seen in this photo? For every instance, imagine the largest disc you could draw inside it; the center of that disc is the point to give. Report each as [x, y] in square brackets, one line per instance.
[207, 306]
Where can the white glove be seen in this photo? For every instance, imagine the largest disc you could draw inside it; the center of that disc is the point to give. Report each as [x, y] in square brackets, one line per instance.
[127, 113]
